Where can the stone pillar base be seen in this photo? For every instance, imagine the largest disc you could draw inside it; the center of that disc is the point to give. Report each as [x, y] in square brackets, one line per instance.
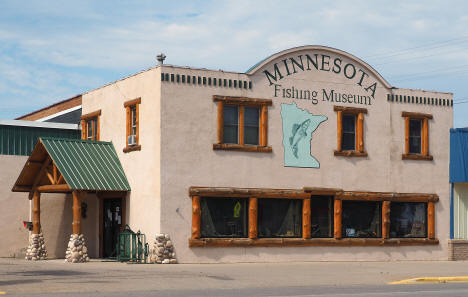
[77, 252]
[163, 250]
[36, 248]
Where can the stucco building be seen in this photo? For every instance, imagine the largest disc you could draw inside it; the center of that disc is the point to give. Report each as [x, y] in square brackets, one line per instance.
[308, 156]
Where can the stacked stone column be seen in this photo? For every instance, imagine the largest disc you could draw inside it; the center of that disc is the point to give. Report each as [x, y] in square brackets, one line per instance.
[36, 248]
[77, 252]
[163, 250]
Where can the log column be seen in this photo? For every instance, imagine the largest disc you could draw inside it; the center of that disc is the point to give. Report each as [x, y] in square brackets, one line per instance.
[76, 212]
[36, 212]
[386, 219]
[337, 218]
[253, 207]
[306, 218]
[196, 217]
[431, 220]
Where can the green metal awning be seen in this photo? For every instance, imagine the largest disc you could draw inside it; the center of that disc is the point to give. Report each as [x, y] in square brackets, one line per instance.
[85, 165]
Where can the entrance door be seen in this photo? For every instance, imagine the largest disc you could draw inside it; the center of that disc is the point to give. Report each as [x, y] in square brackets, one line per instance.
[112, 217]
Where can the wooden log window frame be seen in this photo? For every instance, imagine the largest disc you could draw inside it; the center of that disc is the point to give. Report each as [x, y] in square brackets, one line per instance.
[129, 105]
[424, 155]
[359, 150]
[242, 102]
[93, 116]
[307, 195]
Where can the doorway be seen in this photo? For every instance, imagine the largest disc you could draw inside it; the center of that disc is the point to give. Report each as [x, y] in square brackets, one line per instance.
[112, 223]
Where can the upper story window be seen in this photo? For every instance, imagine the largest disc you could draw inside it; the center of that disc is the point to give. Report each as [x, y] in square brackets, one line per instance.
[242, 124]
[132, 108]
[416, 136]
[90, 125]
[350, 131]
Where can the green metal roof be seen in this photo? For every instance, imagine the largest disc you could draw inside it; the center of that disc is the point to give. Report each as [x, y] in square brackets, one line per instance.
[87, 165]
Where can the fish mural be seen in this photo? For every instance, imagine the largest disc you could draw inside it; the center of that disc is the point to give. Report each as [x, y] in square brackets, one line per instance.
[298, 127]
[298, 133]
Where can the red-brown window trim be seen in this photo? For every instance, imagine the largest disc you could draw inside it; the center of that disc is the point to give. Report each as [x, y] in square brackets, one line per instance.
[262, 104]
[424, 155]
[359, 150]
[85, 118]
[307, 194]
[128, 106]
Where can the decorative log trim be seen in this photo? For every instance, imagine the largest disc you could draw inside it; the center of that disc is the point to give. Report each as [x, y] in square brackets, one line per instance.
[306, 219]
[196, 217]
[61, 180]
[36, 212]
[55, 173]
[50, 178]
[350, 154]
[131, 148]
[350, 110]
[242, 148]
[396, 197]
[241, 125]
[416, 115]
[247, 193]
[91, 115]
[253, 227]
[360, 133]
[264, 126]
[425, 138]
[132, 102]
[54, 188]
[279, 242]
[337, 219]
[220, 122]
[339, 130]
[431, 220]
[128, 123]
[416, 157]
[407, 133]
[97, 133]
[43, 170]
[76, 212]
[386, 219]
[137, 122]
[83, 129]
[242, 100]
[321, 191]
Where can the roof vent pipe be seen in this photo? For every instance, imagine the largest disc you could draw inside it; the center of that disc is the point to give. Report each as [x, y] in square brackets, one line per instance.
[161, 57]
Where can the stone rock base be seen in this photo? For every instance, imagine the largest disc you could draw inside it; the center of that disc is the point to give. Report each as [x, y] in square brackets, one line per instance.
[77, 252]
[163, 250]
[36, 248]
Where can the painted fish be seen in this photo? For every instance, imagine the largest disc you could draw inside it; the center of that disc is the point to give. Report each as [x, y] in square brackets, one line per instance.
[298, 133]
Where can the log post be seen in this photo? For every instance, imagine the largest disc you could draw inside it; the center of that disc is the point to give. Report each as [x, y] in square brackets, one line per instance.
[425, 137]
[36, 212]
[264, 126]
[306, 218]
[196, 217]
[431, 220]
[76, 212]
[253, 207]
[386, 219]
[337, 218]
[339, 127]
[360, 133]
[220, 122]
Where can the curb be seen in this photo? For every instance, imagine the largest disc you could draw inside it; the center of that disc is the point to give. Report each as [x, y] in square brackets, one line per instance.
[431, 279]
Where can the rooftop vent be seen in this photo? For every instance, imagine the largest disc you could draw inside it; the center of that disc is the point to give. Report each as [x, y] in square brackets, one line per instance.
[161, 57]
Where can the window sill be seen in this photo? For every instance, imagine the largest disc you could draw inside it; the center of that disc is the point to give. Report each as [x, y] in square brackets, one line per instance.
[132, 148]
[416, 157]
[350, 154]
[242, 148]
[275, 242]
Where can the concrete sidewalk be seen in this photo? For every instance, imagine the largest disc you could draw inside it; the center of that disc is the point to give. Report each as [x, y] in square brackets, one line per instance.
[51, 276]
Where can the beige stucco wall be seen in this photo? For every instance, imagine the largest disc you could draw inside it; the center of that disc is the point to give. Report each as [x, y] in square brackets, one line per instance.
[56, 216]
[189, 129]
[142, 168]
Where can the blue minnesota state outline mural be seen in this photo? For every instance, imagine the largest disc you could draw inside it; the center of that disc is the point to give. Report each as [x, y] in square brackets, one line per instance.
[298, 127]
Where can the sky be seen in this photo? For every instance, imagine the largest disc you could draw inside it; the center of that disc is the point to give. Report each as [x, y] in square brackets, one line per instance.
[54, 50]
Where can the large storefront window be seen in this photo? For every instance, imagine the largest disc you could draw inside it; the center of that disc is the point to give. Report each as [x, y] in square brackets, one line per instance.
[361, 219]
[408, 220]
[321, 217]
[226, 217]
[279, 218]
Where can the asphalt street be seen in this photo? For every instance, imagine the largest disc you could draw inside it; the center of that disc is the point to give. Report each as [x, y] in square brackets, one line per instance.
[56, 278]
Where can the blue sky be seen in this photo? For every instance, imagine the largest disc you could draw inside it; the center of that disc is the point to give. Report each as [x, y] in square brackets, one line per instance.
[53, 50]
